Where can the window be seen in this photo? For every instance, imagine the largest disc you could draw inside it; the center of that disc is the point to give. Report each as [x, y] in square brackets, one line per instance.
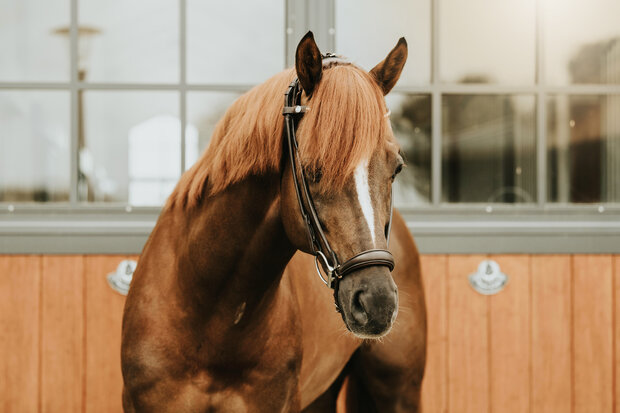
[508, 117]
[486, 101]
[107, 103]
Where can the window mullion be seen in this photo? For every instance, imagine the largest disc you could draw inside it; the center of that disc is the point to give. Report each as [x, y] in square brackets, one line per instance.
[76, 111]
[541, 111]
[435, 108]
[182, 78]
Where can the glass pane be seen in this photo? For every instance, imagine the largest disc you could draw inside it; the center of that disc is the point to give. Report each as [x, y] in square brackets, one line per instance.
[485, 41]
[204, 110]
[234, 41]
[129, 41]
[30, 48]
[34, 146]
[488, 148]
[357, 38]
[131, 149]
[583, 152]
[582, 41]
[411, 122]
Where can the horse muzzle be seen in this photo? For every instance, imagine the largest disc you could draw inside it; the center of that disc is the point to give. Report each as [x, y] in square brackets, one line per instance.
[369, 302]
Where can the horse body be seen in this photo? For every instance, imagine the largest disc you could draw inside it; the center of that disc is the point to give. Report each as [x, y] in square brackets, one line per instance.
[224, 315]
[242, 351]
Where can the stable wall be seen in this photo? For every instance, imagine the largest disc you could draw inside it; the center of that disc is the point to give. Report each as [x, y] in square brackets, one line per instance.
[546, 343]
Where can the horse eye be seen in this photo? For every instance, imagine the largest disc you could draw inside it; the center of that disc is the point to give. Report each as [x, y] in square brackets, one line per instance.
[315, 175]
[397, 171]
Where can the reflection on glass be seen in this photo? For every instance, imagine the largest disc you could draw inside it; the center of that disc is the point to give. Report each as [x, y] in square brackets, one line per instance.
[204, 110]
[489, 149]
[34, 146]
[411, 123]
[485, 41]
[234, 41]
[358, 39]
[582, 41]
[583, 153]
[132, 147]
[138, 40]
[29, 49]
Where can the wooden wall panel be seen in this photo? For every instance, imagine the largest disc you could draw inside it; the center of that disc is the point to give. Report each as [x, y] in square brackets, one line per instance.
[468, 339]
[20, 282]
[434, 388]
[104, 311]
[551, 334]
[62, 334]
[548, 342]
[592, 333]
[509, 314]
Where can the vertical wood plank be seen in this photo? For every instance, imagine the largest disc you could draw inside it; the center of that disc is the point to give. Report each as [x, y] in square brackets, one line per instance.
[20, 278]
[468, 350]
[434, 386]
[592, 333]
[104, 310]
[510, 337]
[551, 334]
[62, 334]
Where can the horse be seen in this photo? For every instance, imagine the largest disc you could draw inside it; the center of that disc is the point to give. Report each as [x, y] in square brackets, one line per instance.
[226, 312]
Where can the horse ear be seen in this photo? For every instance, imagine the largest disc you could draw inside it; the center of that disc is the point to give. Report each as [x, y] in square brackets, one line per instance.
[308, 63]
[388, 71]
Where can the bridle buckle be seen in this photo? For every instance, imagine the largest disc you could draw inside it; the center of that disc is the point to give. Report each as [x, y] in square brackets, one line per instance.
[331, 270]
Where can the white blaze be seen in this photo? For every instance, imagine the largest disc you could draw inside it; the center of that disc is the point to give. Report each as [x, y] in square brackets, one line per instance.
[363, 195]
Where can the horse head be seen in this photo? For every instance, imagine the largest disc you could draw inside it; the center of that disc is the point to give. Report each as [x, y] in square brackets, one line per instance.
[342, 173]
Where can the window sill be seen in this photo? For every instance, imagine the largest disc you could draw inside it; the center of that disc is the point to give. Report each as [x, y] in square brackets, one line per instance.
[457, 229]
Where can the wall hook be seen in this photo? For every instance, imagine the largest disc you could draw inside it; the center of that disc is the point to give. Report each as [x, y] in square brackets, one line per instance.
[120, 280]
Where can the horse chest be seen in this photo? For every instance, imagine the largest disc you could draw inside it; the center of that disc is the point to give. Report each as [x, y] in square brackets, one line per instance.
[243, 390]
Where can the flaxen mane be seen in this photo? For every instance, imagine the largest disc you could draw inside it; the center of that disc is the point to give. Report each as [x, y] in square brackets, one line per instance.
[345, 124]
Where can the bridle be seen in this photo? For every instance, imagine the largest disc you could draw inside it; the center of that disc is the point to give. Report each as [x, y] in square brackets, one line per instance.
[323, 253]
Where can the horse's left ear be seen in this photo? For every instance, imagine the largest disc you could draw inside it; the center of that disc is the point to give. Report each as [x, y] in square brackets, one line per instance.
[388, 71]
[308, 63]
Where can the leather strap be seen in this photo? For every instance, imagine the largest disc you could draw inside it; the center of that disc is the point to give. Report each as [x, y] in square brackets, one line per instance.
[365, 259]
[321, 249]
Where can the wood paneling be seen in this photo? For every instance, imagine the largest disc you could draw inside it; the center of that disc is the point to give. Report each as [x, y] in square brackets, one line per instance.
[551, 334]
[62, 334]
[434, 386]
[468, 344]
[20, 293]
[104, 312]
[549, 342]
[509, 314]
[592, 333]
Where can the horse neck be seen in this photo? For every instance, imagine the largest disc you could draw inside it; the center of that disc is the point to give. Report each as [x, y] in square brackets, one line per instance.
[234, 251]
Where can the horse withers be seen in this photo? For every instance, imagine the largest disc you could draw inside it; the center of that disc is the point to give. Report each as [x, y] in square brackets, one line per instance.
[226, 312]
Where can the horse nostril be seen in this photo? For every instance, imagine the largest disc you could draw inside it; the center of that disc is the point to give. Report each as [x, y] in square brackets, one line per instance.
[358, 310]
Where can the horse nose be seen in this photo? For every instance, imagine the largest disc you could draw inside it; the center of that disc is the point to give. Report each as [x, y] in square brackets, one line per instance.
[358, 308]
[374, 309]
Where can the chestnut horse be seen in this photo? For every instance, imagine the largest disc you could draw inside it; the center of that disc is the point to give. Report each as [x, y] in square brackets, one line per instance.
[225, 315]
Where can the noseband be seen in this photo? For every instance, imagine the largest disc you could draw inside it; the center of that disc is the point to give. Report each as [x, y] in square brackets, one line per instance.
[336, 271]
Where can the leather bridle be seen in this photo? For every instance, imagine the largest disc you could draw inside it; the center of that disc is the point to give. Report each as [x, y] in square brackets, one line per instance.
[323, 253]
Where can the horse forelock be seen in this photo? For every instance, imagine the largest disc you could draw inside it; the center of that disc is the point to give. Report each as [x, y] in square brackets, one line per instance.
[346, 123]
